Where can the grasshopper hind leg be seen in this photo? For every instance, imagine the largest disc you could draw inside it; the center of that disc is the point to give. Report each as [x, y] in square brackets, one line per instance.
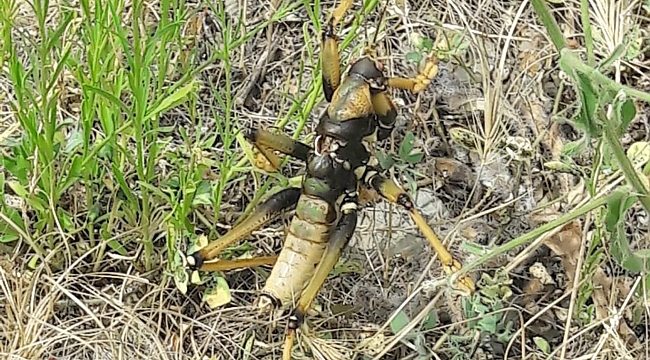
[265, 212]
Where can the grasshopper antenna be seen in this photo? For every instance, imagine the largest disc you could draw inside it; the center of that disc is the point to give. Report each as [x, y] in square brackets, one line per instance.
[371, 47]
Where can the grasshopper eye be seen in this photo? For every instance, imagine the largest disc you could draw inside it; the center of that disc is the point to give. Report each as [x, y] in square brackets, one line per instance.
[379, 65]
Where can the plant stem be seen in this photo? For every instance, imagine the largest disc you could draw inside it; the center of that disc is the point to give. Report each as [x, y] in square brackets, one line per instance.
[568, 60]
[549, 22]
[626, 165]
[539, 231]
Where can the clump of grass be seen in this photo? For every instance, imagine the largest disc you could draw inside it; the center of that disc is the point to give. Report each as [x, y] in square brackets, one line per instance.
[109, 144]
[93, 99]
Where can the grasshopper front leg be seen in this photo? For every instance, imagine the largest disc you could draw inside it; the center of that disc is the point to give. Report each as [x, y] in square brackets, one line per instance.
[420, 82]
[267, 142]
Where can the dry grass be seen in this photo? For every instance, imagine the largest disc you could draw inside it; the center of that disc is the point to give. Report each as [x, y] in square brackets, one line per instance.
[504, 88]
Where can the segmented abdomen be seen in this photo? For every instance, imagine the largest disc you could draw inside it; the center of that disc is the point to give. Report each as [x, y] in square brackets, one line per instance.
[304, 245]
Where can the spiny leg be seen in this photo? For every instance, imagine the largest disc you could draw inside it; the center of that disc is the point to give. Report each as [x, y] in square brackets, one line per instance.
[338, 240]
[264, 213]
[393, 193]
[267, 142]
[330, 58]
[421, 81]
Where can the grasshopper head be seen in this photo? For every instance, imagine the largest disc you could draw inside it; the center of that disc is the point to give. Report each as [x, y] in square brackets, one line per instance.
[371, 71]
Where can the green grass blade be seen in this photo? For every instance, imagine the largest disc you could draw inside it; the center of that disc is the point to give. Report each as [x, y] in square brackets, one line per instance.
[586, 28]
[549, 22]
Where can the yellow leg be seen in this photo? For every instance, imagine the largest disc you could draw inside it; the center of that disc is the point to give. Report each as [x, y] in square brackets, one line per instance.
[340, 11]
[267, 160]
[386, 114]
[421, 81]
[393, 193]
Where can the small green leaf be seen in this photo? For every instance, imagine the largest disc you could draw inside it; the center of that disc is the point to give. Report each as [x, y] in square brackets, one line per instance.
[126, 190]
[625, 112]
[106, 152]
[414, 158]
[172, 100]
[505, 335]
[615, 209]
[74, 173]
[414, 56]
[74, 141]
[155, 190]
[460, 43]
[542, 344]
[619, 202]
[407, 146]
[108, 96]
[430, 321]
[203, 194]
[386, 161]
[426, 45]
[398, 323]
[32, 262]
[7, 238]
[37, 203]
[574, 148]
[166, 129]
[117, 247]
[588, 106]
[489, 324]
[16, 218]
[18, 189]
[65, 220]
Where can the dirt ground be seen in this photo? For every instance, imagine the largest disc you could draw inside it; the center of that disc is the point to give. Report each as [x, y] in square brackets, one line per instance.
[502, 82]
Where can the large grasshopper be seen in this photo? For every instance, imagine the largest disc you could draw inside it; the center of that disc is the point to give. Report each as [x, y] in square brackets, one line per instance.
[339, 163]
